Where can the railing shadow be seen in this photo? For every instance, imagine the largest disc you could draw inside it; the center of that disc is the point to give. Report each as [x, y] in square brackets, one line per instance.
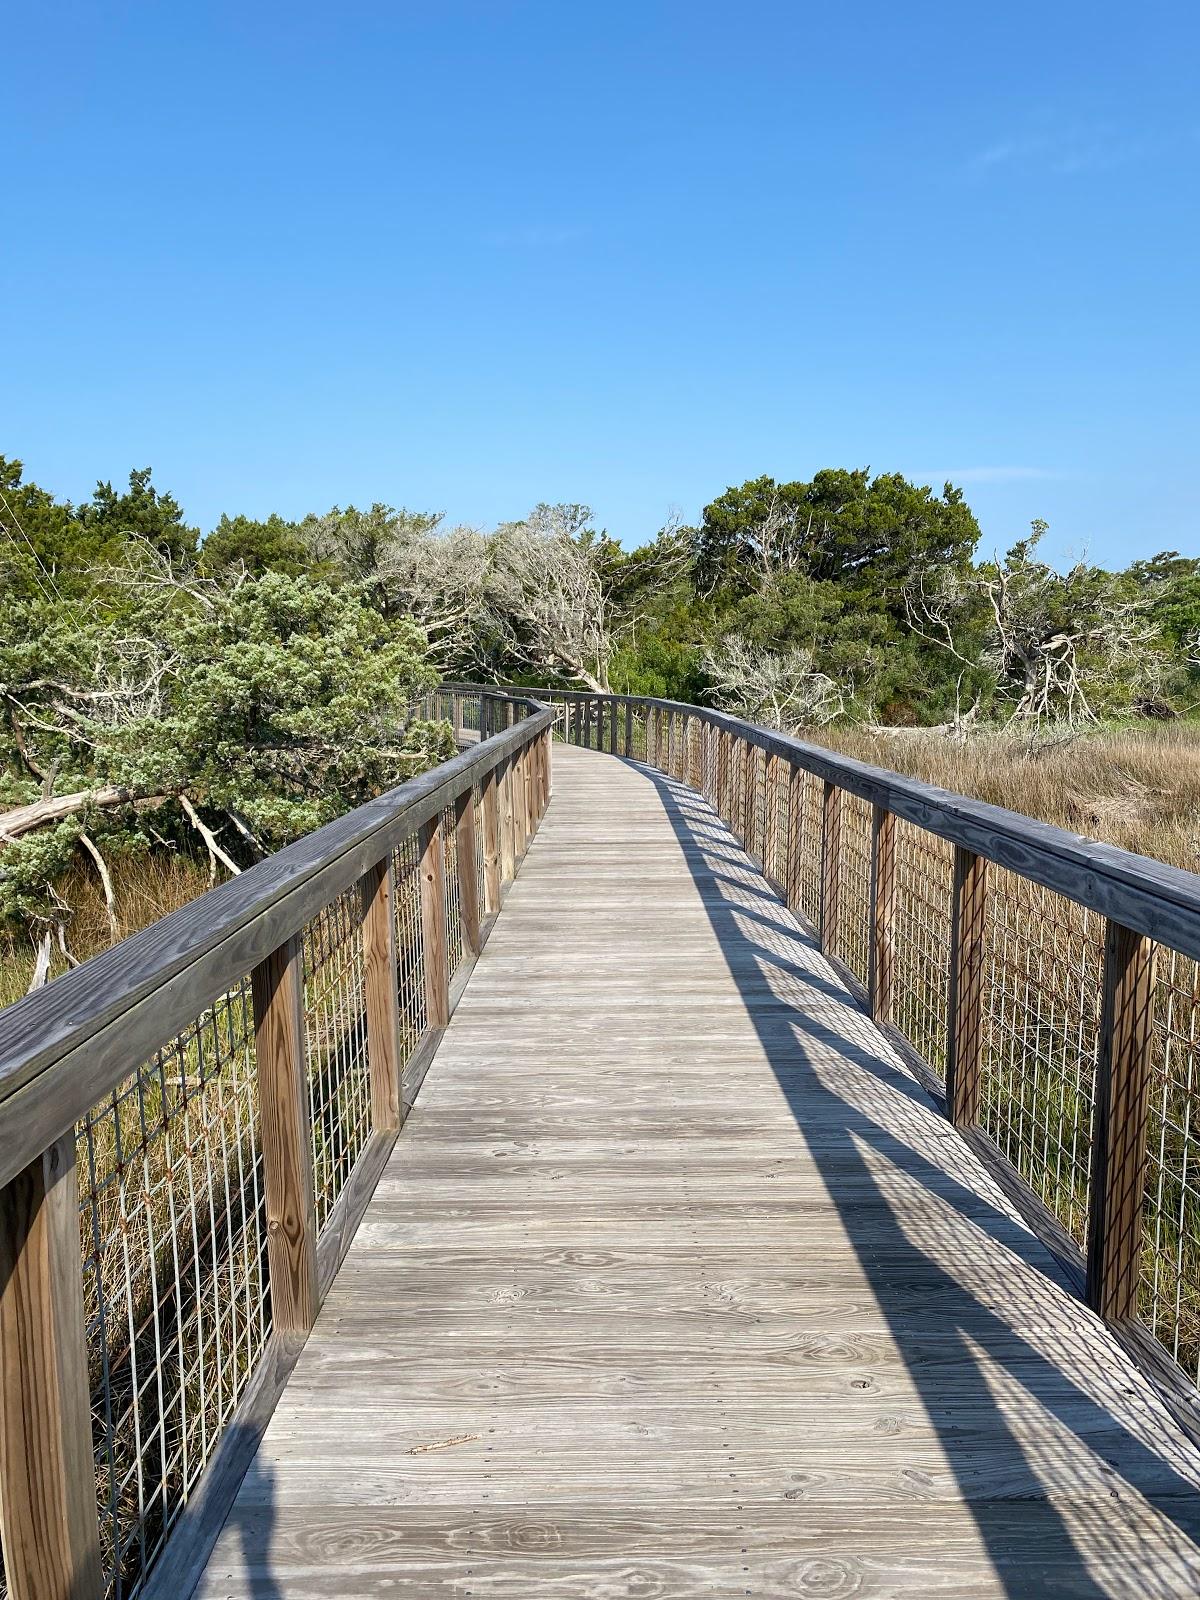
[1011, 1398]
[252, 1518]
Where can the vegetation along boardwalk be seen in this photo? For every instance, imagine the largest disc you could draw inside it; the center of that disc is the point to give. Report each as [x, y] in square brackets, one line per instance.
[678, 1283]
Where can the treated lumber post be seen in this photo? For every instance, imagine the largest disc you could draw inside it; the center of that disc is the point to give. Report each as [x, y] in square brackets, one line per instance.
[457, 709]
[964, 1042]
[491, 843]
[508, 853]
[520, 798]
[468, 869]
[278, 989]
[628, 728]
[612, 727]
[377, 890]
[670, 765]
[883, 906]
[529, 767]
[433, 924]
[1118, 1176]
[831, 876]
[48, 1505]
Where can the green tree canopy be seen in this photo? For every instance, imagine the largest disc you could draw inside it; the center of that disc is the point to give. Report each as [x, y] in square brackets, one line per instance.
[844, 527]
[144, 513]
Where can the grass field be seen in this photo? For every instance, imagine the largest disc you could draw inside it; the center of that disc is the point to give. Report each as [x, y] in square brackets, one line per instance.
[1137, 787]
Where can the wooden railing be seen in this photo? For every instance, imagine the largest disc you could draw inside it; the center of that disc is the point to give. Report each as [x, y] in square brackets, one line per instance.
[1048, 987]
[190, 1127]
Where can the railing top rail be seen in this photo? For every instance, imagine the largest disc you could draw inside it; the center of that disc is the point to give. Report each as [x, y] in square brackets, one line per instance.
[1148, 896]
[67, 1045]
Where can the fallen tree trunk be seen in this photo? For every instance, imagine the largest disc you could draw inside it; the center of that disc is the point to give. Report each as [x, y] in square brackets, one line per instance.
[24, 819]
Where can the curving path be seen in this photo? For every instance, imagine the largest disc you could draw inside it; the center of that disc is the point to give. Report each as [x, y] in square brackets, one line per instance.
[676, 1284]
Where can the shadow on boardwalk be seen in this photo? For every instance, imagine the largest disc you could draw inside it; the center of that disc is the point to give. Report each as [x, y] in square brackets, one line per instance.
[980, 1376]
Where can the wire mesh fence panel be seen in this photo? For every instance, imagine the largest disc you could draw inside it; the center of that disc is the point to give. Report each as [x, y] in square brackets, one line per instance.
[638, 732]
[782, 819]
[1169, 1298]
[1044, 959]
[335, 1030]
[410, 954]
[469, 712]
[922, 938]
[177, 1307]
[806, 827]
[854, 886]
[454, 929]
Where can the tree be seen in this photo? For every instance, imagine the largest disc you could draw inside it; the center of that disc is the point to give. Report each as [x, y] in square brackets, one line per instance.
[258, 710]
[845, 527]
[244, 544]
[781, 689]
[1059, 646]
[45, 549]
[141, 513]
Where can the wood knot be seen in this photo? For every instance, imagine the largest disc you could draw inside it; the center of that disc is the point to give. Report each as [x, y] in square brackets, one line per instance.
[827, 1578]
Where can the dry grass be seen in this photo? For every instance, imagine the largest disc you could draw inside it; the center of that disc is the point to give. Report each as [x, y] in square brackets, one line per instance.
[145, 888]
[1134, 787]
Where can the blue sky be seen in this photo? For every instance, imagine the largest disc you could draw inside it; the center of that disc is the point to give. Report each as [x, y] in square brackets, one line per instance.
[470, 256]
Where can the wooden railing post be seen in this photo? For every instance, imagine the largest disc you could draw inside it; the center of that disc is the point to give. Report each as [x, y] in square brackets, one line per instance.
[436, 962]
[468, 871]
[1118, 1175]
[628, 728]
[381, 1001]
[883, 905]
[491, 843]
[278, 988]
[964, 1039]
[520, 799]
[48, 1505]
[529, 767]
[612, 727]
[831, 875]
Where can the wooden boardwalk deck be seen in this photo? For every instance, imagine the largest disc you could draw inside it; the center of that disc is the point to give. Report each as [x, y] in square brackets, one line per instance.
[676, 1284]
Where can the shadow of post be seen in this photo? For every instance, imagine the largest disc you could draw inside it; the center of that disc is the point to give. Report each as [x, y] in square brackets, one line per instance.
[1016, 1421]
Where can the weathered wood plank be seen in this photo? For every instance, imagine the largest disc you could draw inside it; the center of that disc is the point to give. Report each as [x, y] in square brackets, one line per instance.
[48, 1517]
[468, 875]
[377, 891]
[282, 1075]
[678, 1283]
[435, 955]
[1122, 1102]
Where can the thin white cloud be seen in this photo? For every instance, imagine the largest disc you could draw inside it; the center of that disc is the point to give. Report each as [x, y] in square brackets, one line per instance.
[993, 475]
[1066, 150]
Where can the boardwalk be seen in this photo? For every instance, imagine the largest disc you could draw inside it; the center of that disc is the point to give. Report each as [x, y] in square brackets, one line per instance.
[677, 1284]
